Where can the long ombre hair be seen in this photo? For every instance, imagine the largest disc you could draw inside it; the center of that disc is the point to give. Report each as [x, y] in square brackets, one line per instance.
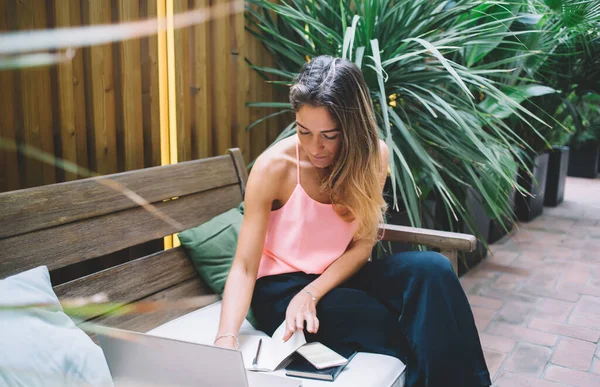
[354, 183]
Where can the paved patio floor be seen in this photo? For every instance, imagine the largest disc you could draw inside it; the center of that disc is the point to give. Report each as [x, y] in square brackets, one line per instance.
[536, 300]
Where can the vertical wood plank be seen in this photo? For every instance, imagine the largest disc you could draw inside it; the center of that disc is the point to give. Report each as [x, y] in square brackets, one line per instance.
[171, 84]
[99, 69]
[131, 87]
[79, 93]
[258, 134]
[9, 165]
[4, 17]
[273, 129]
[29, 100]
[220, 103]
[151, 108]
[145, 73]
[182, 86]
[163, 86]
[163, 93]
[66, 98]
[202, 70]
[241, 89]
[43, 90]
[9, 177]
[117, 49]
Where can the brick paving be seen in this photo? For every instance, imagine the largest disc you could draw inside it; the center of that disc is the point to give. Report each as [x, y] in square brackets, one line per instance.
[536, 297]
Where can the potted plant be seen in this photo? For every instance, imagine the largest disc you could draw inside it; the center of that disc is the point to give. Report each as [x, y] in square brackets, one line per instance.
[555, 45]
[583, 161]
[502, 224]
[556, 177]
[558, 161]
[492, 223]
[585, 142]
[546, 157]
[531, 205]
[489, 206]
[533, 159]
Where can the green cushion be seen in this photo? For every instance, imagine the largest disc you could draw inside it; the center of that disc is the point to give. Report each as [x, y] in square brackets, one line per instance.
[211, 247]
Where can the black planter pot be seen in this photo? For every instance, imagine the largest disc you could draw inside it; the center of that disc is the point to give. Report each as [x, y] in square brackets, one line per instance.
[583, 161]
[497, 229]
[482, 224]
[527, 207]
[558, 164]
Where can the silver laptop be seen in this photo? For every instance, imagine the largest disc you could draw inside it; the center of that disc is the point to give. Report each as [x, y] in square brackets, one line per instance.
[138, 359]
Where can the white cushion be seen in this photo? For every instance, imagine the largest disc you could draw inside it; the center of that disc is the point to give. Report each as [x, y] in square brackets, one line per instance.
[365, 369]
[42, 346]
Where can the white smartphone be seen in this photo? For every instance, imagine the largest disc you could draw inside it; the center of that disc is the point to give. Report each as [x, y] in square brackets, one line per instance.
[321, 356]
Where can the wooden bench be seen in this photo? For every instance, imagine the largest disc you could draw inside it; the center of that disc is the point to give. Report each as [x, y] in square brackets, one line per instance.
[89, 220]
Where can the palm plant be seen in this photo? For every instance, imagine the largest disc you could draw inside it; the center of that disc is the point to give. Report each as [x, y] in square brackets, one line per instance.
[556, 44]
[578, 78]
[584, 120]
[414, 57]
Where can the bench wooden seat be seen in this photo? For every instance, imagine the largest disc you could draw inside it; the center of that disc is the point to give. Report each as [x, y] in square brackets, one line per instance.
[92, 220]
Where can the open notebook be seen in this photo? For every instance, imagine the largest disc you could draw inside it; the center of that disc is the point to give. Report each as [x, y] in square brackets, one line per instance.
[273, 351]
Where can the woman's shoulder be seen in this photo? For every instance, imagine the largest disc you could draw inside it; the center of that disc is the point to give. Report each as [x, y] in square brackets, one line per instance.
[278, 160]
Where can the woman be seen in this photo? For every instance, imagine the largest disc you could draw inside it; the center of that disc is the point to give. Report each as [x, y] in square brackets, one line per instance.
[313, 204]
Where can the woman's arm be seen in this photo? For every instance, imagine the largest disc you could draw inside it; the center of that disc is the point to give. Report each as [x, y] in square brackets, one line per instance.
[237, 295]
[303, 308]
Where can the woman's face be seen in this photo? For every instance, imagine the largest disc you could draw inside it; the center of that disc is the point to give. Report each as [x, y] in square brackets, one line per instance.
[319, 135]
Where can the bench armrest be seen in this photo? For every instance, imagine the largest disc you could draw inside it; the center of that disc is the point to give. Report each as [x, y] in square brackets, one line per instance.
[433, 238]
[448, 242]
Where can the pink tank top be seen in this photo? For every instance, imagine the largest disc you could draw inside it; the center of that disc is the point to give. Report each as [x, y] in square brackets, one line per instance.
[303, 235]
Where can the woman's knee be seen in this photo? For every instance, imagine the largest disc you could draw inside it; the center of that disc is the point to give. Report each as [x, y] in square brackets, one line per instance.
[357, 319]
[429, 263]
[351, 316]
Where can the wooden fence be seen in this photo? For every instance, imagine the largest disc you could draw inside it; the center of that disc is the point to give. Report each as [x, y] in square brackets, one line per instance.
[101, 110]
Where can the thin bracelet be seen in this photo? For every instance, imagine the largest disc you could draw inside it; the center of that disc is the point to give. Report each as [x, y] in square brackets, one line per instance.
[311, 296]
[314, 288]
[237, 341]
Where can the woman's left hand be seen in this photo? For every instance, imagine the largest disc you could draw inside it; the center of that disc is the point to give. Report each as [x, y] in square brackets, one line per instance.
[302, 308]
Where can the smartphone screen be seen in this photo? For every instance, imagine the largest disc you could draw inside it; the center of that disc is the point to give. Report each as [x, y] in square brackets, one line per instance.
[321, 356]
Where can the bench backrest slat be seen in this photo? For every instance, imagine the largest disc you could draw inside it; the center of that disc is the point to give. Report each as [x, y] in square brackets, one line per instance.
[134, 280]
[61, 246]
[38, 208]
[143, 322]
